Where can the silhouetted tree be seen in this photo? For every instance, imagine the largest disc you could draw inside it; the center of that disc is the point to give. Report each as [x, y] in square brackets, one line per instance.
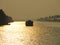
[4, 19]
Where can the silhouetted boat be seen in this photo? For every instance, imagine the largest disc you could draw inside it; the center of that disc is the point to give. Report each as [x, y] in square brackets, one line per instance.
[29, 23]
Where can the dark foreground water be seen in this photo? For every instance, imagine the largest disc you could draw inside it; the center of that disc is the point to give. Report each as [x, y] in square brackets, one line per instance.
[42, 33]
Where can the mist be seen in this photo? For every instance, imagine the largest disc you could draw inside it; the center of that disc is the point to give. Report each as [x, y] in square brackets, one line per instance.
[30, 9]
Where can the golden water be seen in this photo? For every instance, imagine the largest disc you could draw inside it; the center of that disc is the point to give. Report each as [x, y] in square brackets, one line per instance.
[18, 34]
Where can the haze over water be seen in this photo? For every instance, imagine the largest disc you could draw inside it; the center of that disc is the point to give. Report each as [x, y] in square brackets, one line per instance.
[42, 33]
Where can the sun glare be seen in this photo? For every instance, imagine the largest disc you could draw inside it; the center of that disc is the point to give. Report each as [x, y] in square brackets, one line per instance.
[15, 26]
[18, 34]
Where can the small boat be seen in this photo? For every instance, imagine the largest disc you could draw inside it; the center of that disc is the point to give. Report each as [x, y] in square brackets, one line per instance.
[29, 23]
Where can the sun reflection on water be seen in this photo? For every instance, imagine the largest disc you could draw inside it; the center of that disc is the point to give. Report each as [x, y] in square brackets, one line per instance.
[41, 33]
[18, 34]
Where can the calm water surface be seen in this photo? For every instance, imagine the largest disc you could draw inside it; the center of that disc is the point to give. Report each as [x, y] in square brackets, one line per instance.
[42, 33]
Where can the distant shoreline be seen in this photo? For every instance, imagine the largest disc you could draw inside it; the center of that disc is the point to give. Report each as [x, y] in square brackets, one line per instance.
[55, 18]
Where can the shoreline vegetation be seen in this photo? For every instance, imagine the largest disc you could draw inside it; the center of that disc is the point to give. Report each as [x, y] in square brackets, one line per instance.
[4, 19]
[55, 18]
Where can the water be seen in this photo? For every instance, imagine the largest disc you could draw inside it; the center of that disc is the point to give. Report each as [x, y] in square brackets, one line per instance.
[42, 33]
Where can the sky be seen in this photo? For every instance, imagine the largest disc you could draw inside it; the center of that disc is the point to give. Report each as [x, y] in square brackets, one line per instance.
[30, 9]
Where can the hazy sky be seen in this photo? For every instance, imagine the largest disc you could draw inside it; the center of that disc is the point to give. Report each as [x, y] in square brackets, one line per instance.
[30, 9]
